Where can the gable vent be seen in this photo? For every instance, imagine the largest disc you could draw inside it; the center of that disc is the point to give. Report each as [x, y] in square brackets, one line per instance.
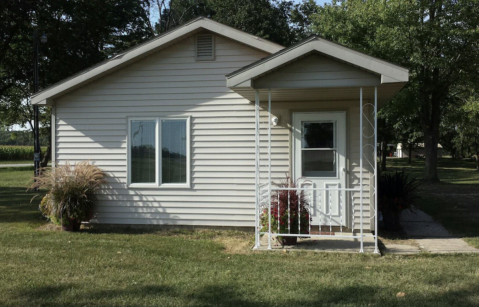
[205, 47]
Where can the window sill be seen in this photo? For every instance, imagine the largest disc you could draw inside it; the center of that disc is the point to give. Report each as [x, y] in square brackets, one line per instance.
[161, 187]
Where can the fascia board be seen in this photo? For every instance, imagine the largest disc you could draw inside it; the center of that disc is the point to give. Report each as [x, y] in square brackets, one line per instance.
[136, 54]
[240, 36]
[389, 73]
[266, 66]
[362, 60]
[117, 62]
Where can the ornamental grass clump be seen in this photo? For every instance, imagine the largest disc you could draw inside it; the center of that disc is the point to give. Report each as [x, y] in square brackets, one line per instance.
[71, 190]
[288, 221]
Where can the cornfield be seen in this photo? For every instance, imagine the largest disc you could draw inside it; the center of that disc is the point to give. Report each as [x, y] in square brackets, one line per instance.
[8, 153]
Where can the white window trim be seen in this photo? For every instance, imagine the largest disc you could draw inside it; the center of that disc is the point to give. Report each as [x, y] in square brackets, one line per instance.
[157, 184]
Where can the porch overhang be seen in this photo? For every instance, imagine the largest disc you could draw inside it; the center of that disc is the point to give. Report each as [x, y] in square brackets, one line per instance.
[385, 93]
[318, 69]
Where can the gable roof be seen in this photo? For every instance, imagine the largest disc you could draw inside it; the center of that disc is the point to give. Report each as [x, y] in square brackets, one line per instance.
[390, 73]
[138, 52]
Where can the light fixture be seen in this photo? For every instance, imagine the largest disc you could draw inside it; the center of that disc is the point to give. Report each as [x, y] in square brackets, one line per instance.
[275, 121]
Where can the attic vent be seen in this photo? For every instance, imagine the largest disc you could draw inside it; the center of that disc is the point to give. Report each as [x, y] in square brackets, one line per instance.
[205, 47]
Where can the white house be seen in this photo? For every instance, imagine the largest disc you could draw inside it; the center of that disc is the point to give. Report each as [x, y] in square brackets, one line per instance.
[194, 125]
[418, 150]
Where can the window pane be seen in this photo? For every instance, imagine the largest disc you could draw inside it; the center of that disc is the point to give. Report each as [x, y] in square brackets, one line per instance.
[173, 142]
[143, 166]
[319, 163]
[317, 135]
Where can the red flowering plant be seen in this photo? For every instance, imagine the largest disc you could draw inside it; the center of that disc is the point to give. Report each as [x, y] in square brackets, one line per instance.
[285, 217]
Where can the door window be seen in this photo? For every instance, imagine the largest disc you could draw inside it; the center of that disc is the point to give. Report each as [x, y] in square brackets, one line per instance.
[318, 149]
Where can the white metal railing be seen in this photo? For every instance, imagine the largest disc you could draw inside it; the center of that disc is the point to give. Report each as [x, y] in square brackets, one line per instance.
[315, 206]
[318, 196]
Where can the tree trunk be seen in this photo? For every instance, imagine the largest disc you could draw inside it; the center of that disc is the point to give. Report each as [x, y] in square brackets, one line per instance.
[383, 154]
[46, 157]
[48, 153]
[431, 110]
[409, 159]
[431, 139]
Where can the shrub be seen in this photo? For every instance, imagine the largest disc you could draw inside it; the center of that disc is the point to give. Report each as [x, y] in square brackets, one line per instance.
[396, 192]
[9, 153]
[71, 190]
[287, 217]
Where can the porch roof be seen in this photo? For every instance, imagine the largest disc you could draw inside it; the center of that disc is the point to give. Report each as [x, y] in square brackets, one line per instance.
[318, 69]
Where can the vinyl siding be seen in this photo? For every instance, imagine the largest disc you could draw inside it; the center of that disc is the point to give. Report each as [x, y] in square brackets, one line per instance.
[91, 123]
[317, 71]
[284, 110]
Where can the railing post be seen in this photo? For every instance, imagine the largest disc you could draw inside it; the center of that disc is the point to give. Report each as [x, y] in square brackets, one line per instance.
[279, 214]
[376, 249]
[269, 165]
[361, 250]
[257, 170]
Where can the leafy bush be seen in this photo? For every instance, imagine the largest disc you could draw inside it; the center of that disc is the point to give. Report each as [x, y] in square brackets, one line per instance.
[296, 199]
[9, 153]
[71, 190]
[397, 191]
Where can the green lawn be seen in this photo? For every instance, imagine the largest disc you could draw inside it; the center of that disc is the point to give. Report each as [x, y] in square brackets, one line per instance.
[455, 201]
[44, 267]
[450, 170]
[17, 162]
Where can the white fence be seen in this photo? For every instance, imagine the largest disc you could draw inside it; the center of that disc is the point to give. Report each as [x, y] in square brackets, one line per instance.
[273, 210]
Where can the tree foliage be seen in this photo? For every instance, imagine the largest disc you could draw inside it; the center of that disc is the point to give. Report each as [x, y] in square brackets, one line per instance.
[283, 22]
[466, 138]
[438, 40]
[80, 34]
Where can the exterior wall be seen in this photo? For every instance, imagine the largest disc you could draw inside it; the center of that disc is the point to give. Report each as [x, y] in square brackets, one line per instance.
[282, 148]
[91, 123]
[317, 71]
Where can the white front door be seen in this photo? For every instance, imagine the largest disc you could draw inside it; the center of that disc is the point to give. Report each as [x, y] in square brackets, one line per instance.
[319, 154]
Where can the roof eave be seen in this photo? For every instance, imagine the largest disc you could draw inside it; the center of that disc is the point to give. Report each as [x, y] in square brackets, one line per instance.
[390, 73]
[190, 28]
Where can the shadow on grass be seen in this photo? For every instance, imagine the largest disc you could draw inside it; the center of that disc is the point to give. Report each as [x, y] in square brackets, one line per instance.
[237, 295]
[458, 215]
[15, 206]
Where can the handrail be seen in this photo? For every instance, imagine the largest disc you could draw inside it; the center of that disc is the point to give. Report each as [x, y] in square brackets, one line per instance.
[316, 189]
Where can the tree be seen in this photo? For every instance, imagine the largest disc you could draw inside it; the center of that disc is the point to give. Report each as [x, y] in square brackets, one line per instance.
[80, 34]
[468, 127]
[282, 22]
[438, 40]
[403, 113]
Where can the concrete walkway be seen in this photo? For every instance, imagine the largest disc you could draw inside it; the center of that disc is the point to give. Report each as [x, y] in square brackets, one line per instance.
[430, 236]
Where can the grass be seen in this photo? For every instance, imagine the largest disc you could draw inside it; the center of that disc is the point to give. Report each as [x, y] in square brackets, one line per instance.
[17, 162]
[44, 267]
[451, 171]
[455, 201]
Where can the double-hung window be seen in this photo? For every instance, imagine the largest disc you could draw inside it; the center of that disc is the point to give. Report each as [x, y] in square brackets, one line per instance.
[159, 152]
